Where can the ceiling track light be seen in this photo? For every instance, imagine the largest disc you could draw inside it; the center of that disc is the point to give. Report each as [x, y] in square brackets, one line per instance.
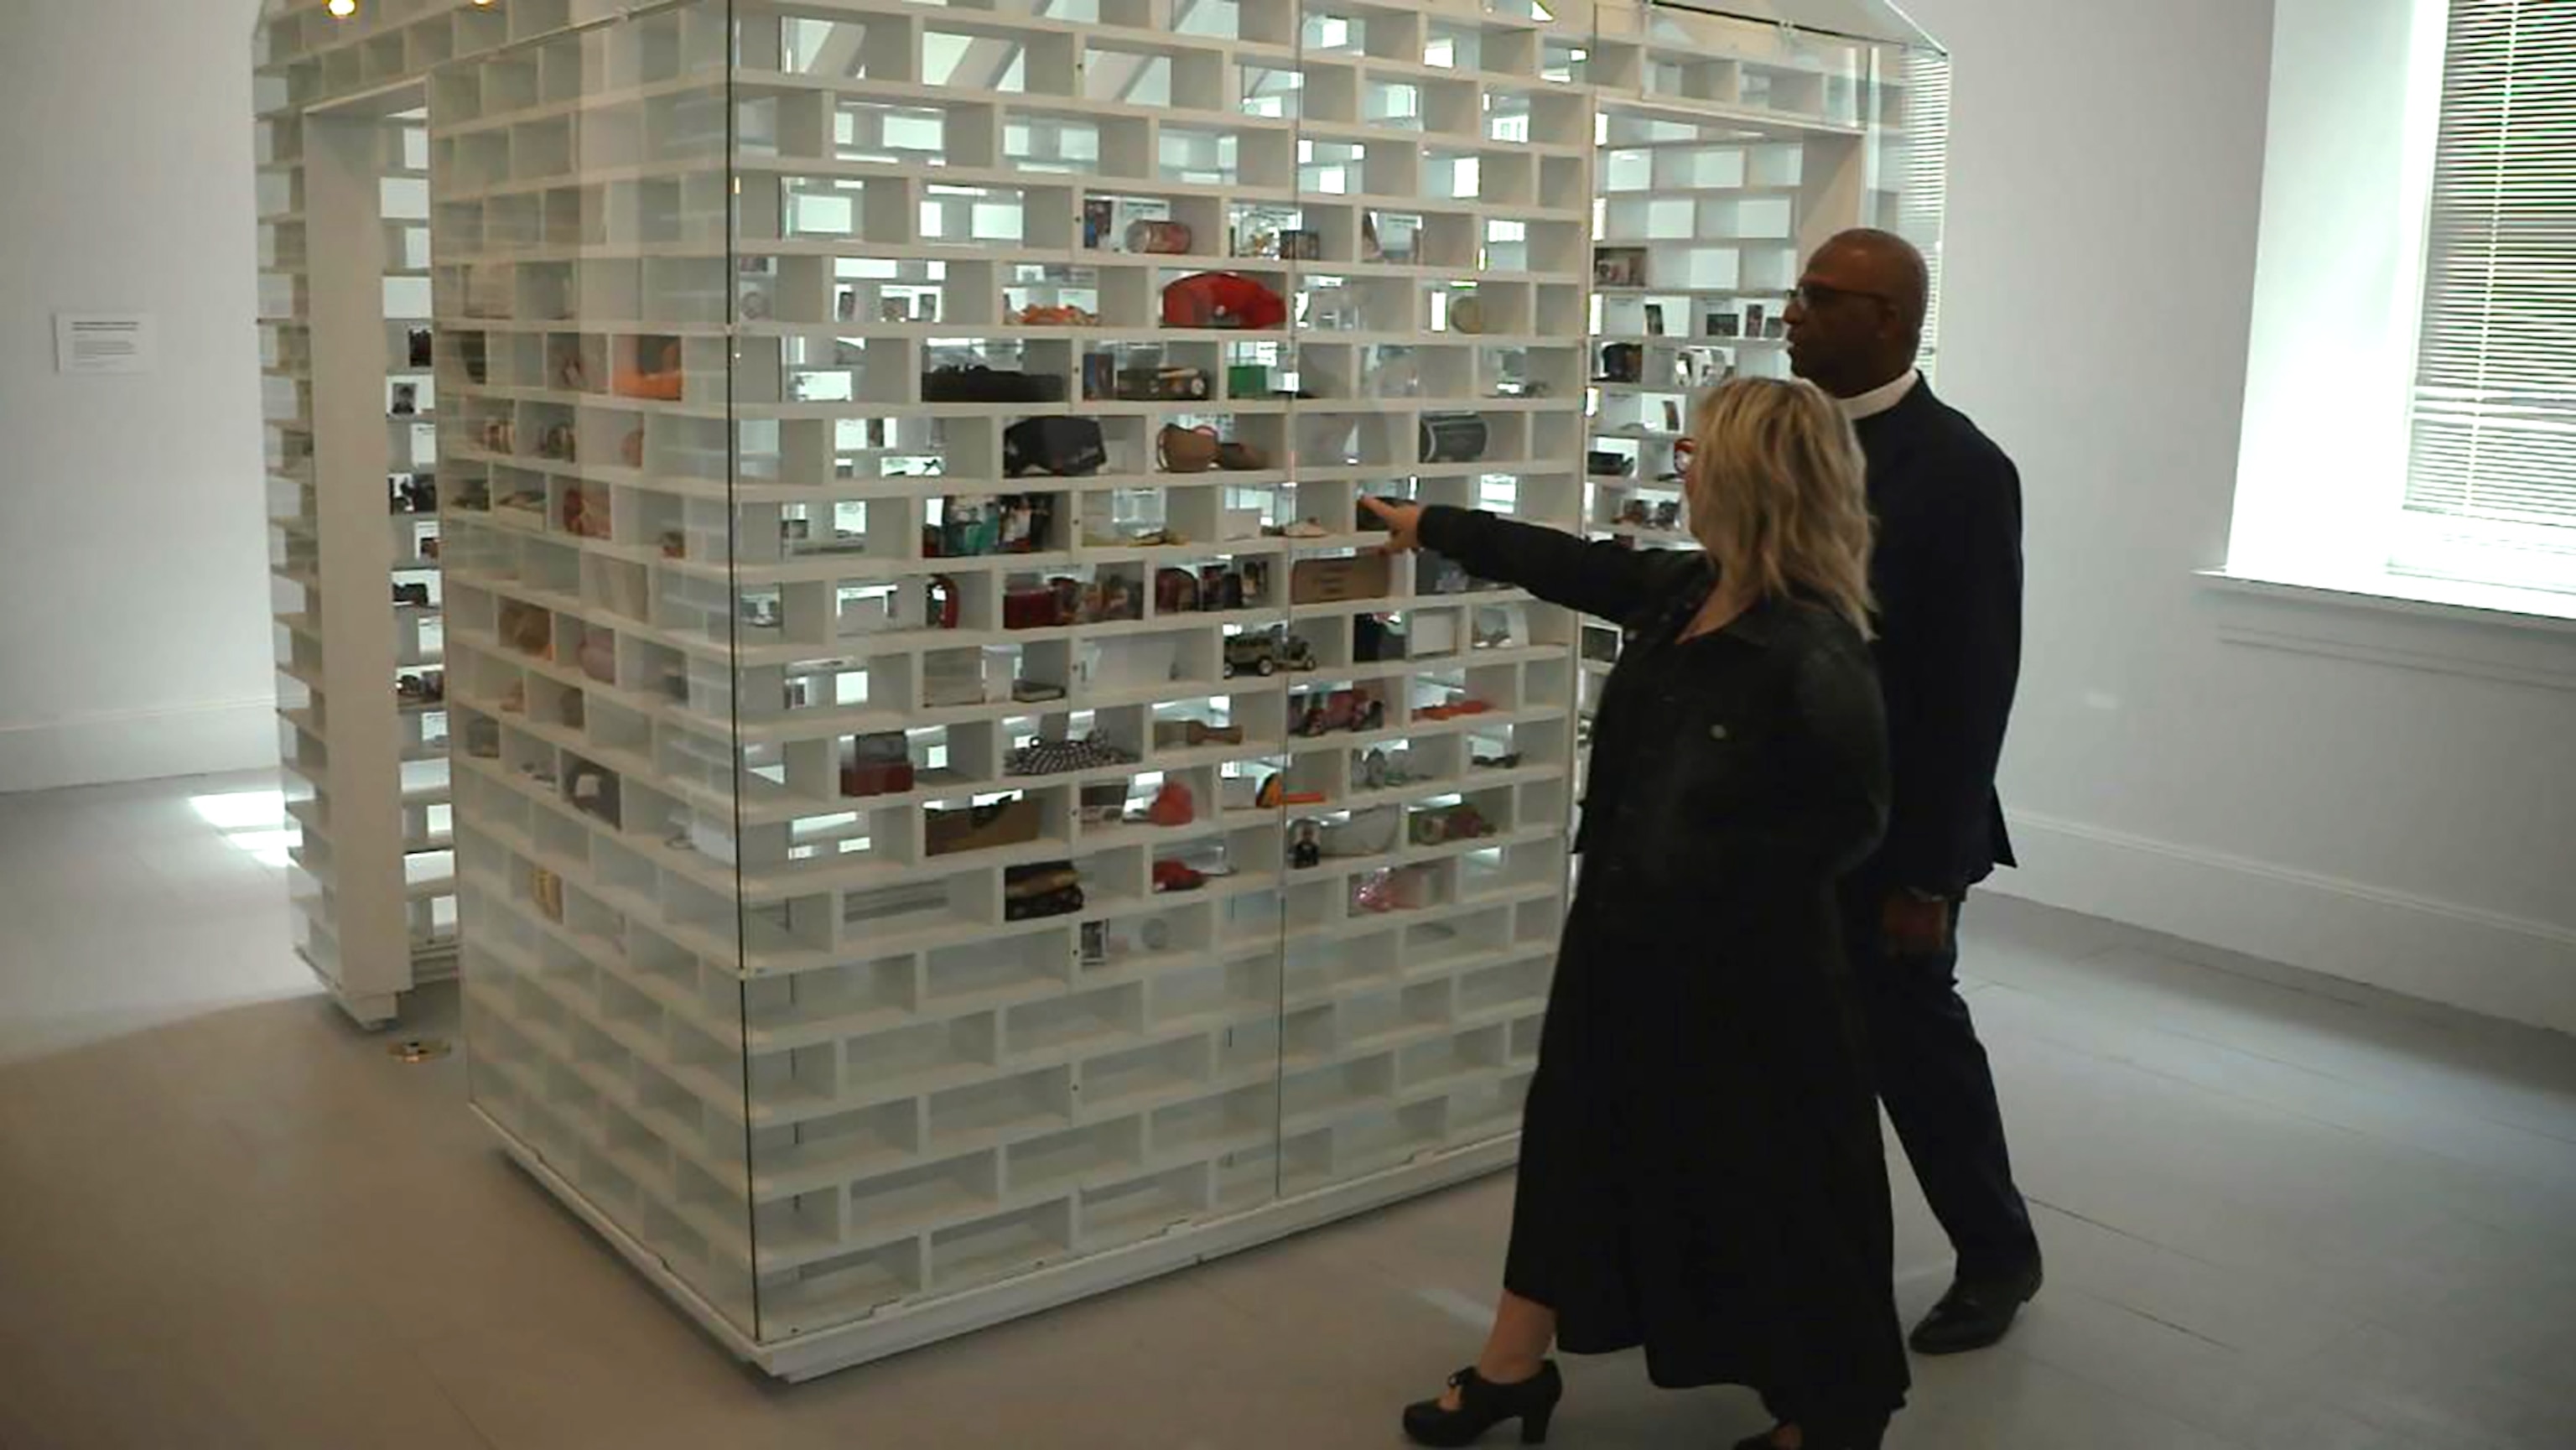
[342, 9]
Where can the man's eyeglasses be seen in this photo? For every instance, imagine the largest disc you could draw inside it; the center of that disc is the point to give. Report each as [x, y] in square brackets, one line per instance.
[1812, 295]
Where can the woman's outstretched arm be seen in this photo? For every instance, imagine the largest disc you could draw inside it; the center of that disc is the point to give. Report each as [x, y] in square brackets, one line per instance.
[1603, 579]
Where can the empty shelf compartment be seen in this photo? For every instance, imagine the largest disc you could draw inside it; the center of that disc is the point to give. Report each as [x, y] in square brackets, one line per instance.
[1030, 1102]
[1312, 1098]
[1122, 1077]
[885, 1063]
[996, 1248]
[899, 1204]
[1090, 1155]
[1430, 1065]
[837, 1290]
[1125, 1212]
[1093, 1019]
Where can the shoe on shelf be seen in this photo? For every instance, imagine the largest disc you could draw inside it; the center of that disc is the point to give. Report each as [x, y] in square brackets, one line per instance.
[1975, 1313]
[1483, 1404]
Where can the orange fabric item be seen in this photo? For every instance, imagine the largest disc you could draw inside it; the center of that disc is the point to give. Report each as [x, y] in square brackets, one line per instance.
[651, 373]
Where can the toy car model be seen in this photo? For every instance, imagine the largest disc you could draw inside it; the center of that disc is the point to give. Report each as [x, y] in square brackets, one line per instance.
[1267, 654]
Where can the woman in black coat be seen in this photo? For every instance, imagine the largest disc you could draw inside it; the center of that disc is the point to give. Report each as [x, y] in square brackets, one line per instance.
[1701, 1172]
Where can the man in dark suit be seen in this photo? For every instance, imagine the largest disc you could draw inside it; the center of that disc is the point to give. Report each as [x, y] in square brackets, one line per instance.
[1947, 575]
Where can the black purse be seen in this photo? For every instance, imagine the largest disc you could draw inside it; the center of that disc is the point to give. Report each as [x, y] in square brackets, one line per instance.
[984, 385]
[1453, 438]
[1062, 447]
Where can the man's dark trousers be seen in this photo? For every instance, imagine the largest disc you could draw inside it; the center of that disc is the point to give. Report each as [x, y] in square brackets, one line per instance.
[1934, 1080]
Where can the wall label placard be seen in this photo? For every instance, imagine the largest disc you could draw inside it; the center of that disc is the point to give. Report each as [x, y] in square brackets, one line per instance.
[103, 343]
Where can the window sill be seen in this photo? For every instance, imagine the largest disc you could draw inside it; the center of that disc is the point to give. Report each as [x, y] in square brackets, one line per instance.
[2514, 636]
[2487, 604]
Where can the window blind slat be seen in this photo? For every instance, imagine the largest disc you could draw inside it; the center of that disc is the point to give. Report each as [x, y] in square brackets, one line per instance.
[2494, 412]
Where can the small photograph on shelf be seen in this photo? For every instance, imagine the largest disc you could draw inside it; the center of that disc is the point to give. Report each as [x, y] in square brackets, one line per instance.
[1161, 238]
[1753, 319]
[1099, 219]
[1388, 239]
[1619, 267]
[406, 400]
[1654, 319]
[1724, 324]
[1672, 415]
[1775, 328]
[421, 347]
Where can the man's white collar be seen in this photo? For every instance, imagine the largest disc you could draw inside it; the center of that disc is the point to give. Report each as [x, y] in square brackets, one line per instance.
[1879, 400]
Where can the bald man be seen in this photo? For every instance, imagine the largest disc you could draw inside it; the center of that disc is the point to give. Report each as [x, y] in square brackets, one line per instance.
[1947, 574]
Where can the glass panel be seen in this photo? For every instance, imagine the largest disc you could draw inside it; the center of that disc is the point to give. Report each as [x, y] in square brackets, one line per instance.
[996, 517]
[1440, 353]
[579, 202]
[945, 784]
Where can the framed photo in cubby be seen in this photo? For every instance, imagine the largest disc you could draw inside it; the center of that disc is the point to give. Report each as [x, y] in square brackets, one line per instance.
[1619, 267]
[1654, 319]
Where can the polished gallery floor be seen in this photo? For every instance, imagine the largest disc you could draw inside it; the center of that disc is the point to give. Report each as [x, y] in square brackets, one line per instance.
[2282, 1214]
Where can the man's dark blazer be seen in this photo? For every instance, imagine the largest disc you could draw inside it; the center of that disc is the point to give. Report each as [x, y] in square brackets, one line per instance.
[1947, 572]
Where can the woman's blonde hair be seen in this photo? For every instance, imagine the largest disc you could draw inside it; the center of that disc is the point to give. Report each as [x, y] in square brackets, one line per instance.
[1777, 494]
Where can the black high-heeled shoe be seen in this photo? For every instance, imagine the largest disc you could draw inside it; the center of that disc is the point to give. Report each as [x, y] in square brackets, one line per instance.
[1482, 1405]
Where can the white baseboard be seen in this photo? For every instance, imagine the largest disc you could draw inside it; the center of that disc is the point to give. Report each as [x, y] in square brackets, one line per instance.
[121, 745]
[2488, 963]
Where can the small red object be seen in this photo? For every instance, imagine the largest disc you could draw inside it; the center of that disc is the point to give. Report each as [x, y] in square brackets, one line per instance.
[1032, 608]
[1222, 299]
[1173, 876]
[1173, 805]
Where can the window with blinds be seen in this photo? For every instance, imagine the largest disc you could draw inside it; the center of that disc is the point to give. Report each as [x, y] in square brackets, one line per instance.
[2491, 485]
[1926, 199]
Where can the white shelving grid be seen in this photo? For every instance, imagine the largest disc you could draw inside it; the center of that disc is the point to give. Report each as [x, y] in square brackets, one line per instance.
[1729, 150]
[350, 416]
[901, 890]
[853, 1070]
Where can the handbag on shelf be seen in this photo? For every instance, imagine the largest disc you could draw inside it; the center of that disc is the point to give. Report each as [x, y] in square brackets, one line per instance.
[1454, 437]
[1048, 888]
[1062, 447]
[981, 384]
[1187, 450]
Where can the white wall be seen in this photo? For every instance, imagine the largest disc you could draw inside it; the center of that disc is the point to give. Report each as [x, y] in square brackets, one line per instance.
[2387, 798]
[133, 636]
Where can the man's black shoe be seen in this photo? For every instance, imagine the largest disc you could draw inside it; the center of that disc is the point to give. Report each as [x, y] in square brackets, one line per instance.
[1974, 1315]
